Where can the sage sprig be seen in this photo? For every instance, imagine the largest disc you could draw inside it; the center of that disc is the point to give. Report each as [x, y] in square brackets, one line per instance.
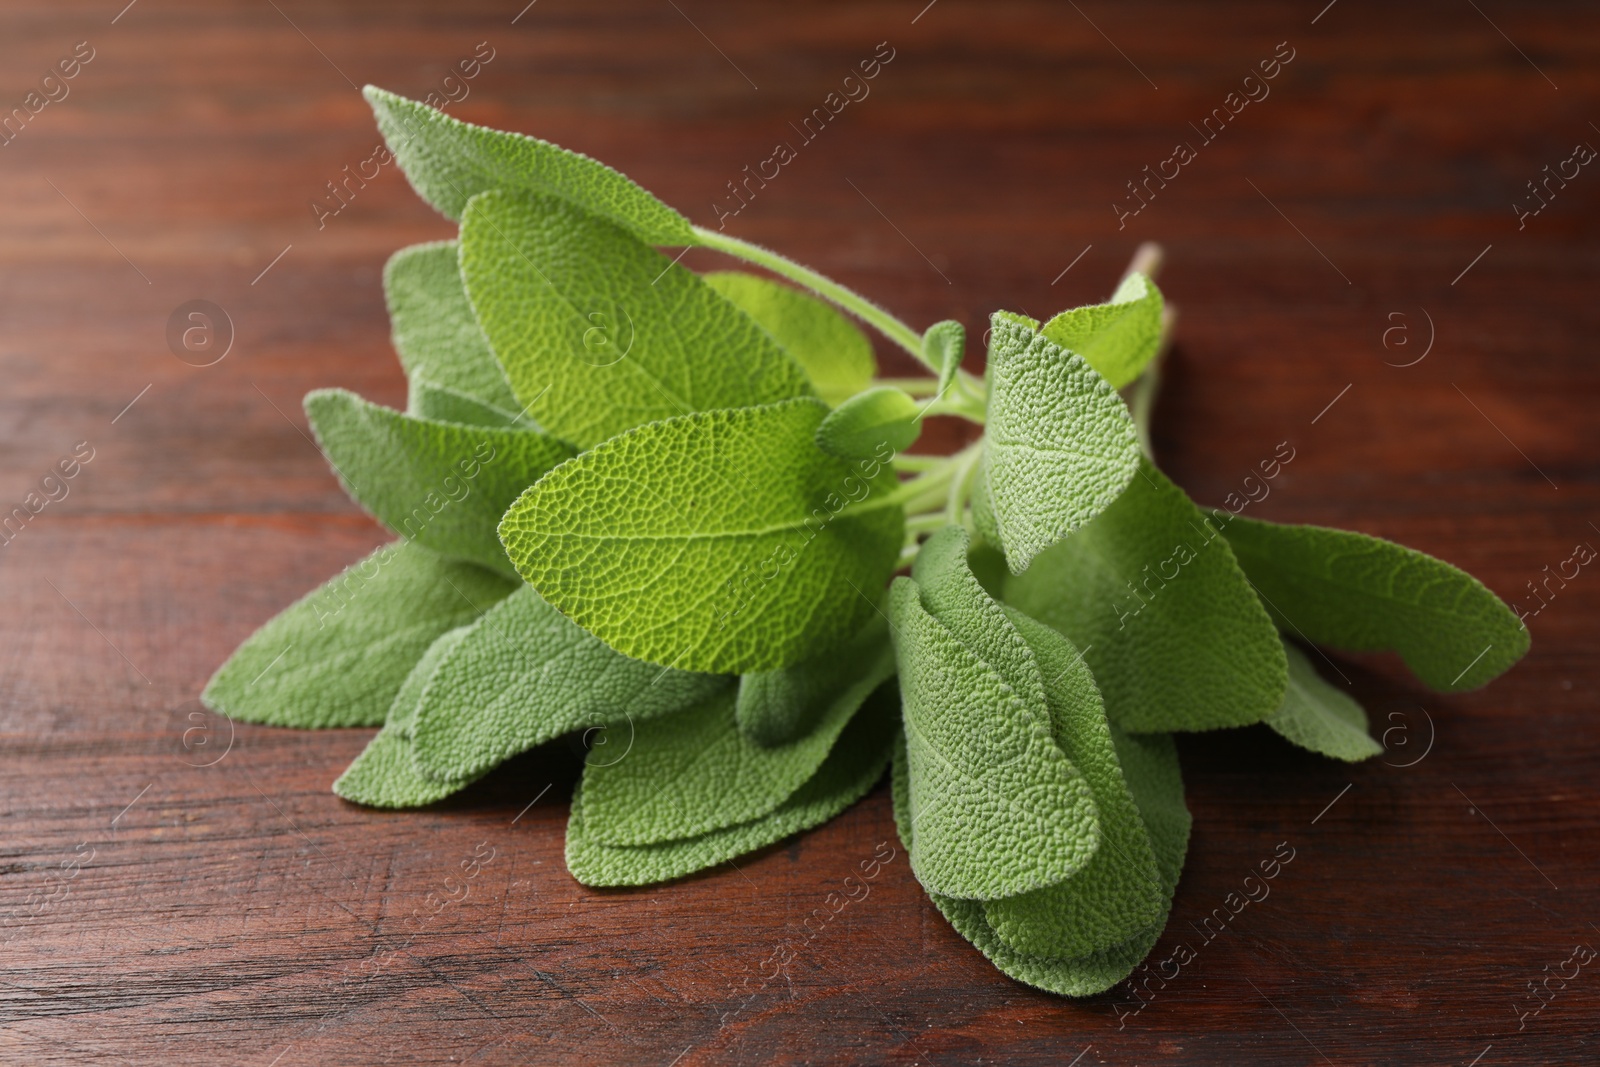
[667, 509]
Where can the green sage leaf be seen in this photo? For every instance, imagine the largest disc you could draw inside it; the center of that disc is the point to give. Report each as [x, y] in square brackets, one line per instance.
[836, 356]
[855, 763]
[1347, 590]
[383, 775]
[1118, 893]
[402, 715]
[1317, 716]
[777, 707]
[870, 422]
[1116, 338]
[943, 344]
[433, 327]
[998, 808]
[1150, 767]
[696, 772]
[724, 541]
[526, 674]
[598, 332]
[1152, 595]
[441, 403]
[339, 654]
[444, 485]
[448, 162]
[1059, 444]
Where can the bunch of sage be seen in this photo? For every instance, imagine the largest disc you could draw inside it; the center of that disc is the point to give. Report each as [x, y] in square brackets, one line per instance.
[672, 505]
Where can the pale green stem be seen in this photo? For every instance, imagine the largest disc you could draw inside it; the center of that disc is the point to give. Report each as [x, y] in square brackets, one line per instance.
[968, 400]
[926, 523]
[961, 486]
[1142, 401]
[1147, 260]
[866, 310]
[912, 386]
[966, 407]
[918, 527]
[972, 386]
[912, 493]
[930, 491]
[1142, 394]
[927, 492]
[914, 464]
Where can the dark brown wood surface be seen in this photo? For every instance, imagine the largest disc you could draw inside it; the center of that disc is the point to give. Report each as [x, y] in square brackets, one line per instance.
[155, 911]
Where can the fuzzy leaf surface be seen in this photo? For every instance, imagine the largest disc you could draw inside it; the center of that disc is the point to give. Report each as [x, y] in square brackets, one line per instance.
[724, 541]
[598, 332]
[1348, 590]
[855, 764]
[943, 344]
[526, 674]
[1317, 716]
[1150, 766]
[444, 485]
[339, 654]
[1117, 338]
[433, 327]
[443, 403]
[448, 162]
[1118, 893]
[695, 772]
[383, 775]
[869, 422]
[1167, 621]
[999, 809]
[776, 707]
[1060, 445]
[836, 356]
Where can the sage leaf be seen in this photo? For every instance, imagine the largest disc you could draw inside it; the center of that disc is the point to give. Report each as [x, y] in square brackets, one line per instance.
[724, 541]
[383, 775]
[943, 344]
[598, 332]
[444, 485]
[1317, 716]
[338, 655]
[870, 422]
[448, 162]
[441, 403]
[999, 809]
[1059, 444]
[1117, 338]
[695, 772]
[525, 674]
[1351, 591]
[836, 356]
[433, 328]
[854, 765]
[776, 707]
[1118, 893]
[1151, 594]
[402, 715]
[1150, 767]
[988, 566]
[953, 595]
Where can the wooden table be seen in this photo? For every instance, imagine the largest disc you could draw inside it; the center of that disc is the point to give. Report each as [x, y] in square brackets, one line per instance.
[156, 911]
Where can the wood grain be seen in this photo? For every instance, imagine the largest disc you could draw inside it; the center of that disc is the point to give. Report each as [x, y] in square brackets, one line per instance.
[156, 911]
